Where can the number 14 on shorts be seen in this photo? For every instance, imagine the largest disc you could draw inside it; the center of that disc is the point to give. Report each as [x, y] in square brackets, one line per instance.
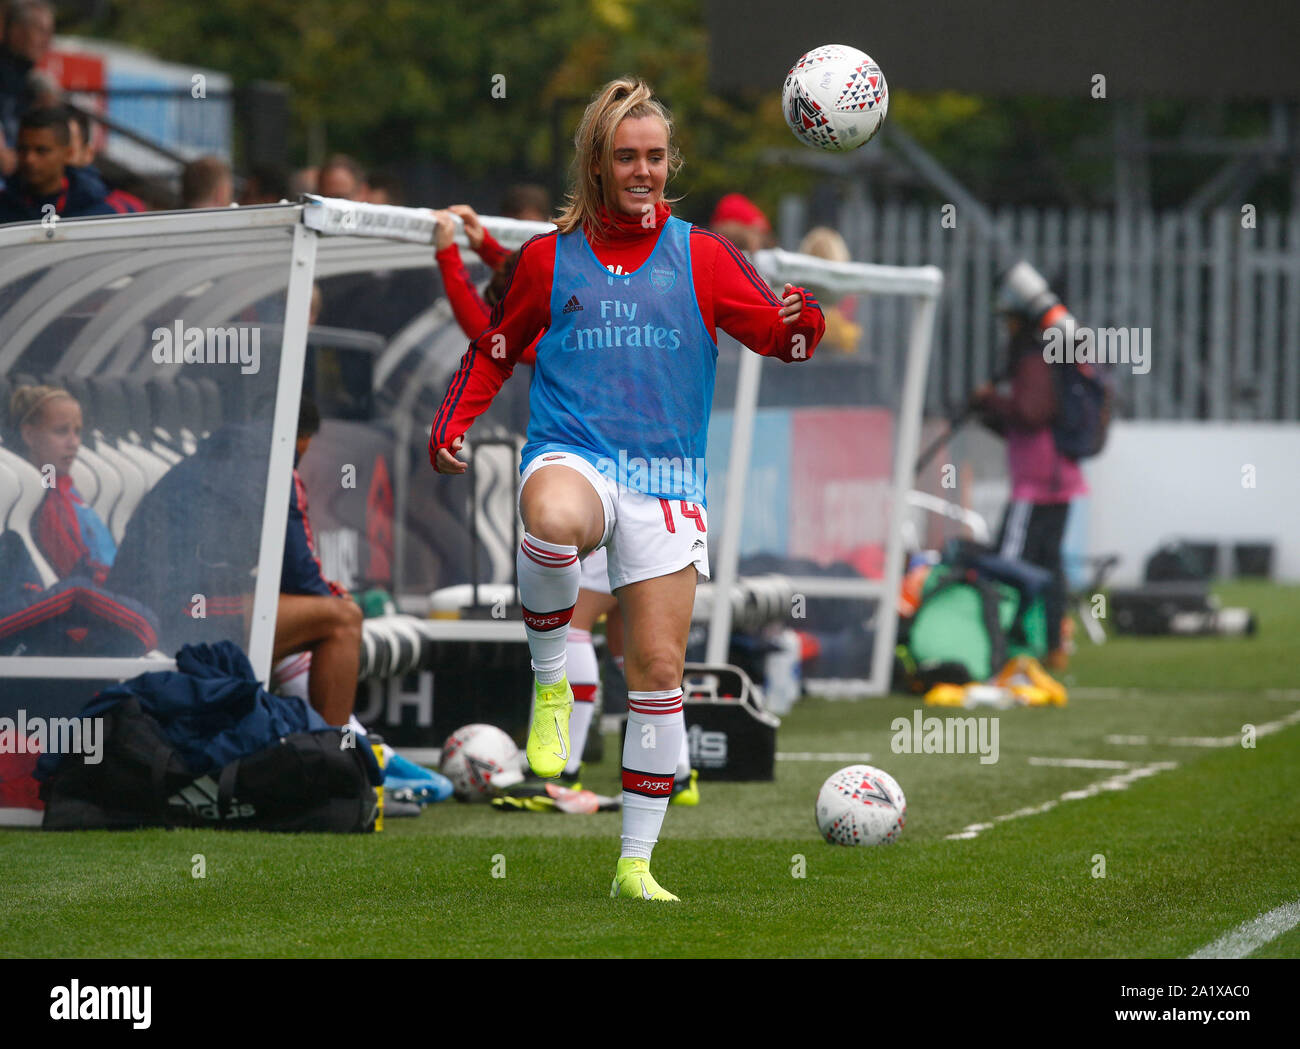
[691, 511]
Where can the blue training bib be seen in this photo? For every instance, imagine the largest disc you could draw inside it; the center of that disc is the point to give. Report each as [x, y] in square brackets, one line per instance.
[94, 533]
[624, 376]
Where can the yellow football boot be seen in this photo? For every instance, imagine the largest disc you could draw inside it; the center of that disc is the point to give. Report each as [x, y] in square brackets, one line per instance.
[548, 736]
[633, 881]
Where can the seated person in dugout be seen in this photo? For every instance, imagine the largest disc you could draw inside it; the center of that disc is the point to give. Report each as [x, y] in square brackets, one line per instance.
[67, 532]
[315, 614]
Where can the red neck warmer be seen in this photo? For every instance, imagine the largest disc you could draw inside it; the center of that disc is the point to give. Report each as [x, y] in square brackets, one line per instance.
[618, 228]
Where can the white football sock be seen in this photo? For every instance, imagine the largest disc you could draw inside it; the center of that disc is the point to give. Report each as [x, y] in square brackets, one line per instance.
[581, 655]
[684, 756]
[651, 746]
[584, 677]
[548, 589]
[289, 676]
[584, 708]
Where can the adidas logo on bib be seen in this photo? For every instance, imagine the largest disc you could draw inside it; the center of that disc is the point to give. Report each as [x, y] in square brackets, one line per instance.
[573, 305]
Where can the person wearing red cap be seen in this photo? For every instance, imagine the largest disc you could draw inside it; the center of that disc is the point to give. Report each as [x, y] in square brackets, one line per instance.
[739, 220]
[628, 300]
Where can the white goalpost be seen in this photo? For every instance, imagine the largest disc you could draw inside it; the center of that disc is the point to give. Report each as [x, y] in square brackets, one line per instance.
[922, 287]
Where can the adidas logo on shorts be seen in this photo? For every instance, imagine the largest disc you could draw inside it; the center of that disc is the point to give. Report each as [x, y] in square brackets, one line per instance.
[573, 305]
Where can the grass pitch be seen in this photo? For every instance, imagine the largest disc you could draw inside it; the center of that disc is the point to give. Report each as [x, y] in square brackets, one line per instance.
[1189, 852]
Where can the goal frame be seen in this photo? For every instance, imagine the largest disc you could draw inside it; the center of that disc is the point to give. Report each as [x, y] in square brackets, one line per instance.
[922, 285]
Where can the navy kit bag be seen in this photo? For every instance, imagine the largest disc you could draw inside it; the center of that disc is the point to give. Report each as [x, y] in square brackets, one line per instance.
[206, 746]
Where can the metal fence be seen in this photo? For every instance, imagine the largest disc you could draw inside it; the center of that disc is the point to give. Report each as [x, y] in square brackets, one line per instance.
[1214, 296]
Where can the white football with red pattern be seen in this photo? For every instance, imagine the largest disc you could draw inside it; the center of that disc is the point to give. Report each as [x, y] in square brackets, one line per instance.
[480, 760]
[861, 805]
[835, 98]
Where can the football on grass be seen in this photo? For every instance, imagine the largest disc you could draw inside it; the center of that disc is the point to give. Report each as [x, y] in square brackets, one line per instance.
[861, 805]
[480, 760]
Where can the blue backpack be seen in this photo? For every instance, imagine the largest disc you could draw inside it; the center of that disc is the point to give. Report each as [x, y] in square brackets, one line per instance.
[1084, 398]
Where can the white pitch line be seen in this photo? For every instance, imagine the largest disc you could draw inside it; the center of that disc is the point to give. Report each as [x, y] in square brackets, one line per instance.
[1250, 936]
[1082, 763]
[1122, 781]
[1175, 741]
[1090, 692]
[1266, 729]
[1286, 695]
[805, 755]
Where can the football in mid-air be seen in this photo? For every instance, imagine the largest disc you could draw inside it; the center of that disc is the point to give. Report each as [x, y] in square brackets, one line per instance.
[860, 805]
[835, 98]
[480, 760]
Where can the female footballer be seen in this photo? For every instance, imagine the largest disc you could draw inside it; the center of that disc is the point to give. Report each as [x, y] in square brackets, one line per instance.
[627, 300]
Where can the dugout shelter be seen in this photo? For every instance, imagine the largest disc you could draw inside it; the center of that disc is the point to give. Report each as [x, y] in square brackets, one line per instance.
[186, 338]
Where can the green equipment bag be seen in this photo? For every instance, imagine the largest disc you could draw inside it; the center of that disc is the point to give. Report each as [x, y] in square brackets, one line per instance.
[969, 624]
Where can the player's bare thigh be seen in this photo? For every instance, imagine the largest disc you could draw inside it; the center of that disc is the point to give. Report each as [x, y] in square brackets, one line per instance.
[303, 621]
[590, 607]
[657, 624]
[559, 505]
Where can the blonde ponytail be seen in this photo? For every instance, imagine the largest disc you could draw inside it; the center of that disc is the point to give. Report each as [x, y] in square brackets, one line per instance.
[594, 147]
[28, 402]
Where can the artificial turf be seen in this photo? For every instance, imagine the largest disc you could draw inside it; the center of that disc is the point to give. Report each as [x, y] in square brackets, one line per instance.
[1189, 852]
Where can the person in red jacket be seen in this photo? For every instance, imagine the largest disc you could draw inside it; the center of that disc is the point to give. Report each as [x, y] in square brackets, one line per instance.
[472, 312]
[67, 531]
[627, 300]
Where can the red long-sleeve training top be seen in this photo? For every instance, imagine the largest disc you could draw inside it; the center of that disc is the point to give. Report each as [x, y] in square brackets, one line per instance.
[731, 295]
[472, 313]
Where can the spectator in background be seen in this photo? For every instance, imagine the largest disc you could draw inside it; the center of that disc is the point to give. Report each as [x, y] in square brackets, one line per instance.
[207, 183]
[304, 180]
[385, 189]
[382, 301]
[739, 220]
[265, 185]
[527, 202]
[81, 154]
[28, 31]
[68, 533]
[45, 184]
[341, 176]
[1043, 481]
[46, 91]
[842, 334]
[316, 615]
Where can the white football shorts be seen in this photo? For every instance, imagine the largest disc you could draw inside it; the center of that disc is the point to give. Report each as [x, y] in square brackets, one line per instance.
[595, 571]
[645, 537]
